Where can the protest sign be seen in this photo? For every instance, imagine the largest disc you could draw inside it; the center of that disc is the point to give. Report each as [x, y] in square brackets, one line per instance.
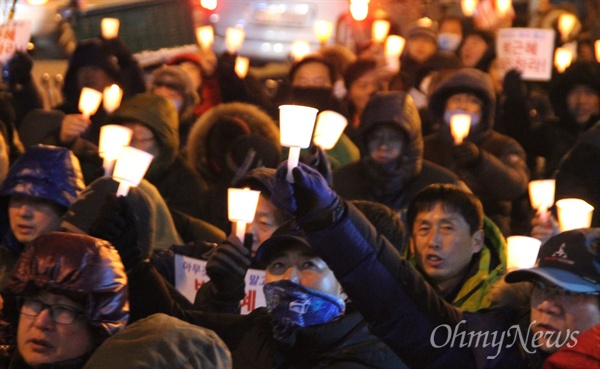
[529, 50]
[14, 35]
[190, 275]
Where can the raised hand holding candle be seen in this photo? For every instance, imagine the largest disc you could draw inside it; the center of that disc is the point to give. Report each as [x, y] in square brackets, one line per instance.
[522, 252]
[566, 23]
[460, 124]
[112, 97]
[329, 127]
[468, 7]
[380, 30]
[89, 101]
[573, 214]
[130, 168]
[110, 28]
[234, 38]
[112, 139]
[241, 208]
[205, 36]
[296, 124]
[241, 66]
[393, 47]
[541, 195]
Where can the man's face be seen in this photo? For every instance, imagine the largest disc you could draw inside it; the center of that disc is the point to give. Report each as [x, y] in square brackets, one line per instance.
[312, 75]
[267, 219]
[297, 263]
[467, 102]
[557, 315]
[583, 102]
[473, 49]
[42, 341]
[444, 246]
[420, 48]
[385, 145]
[30, 217]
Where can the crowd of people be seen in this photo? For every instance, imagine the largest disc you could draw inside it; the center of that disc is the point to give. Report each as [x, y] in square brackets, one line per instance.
[387, 251]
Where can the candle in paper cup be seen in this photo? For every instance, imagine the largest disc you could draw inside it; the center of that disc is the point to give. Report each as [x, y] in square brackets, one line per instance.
[597, 49]
[112, 139]
[89, 101]
[110, 28]
[112, 97]
[323, 30]
[130, 168]
[380, 30]
[299, 49]
[468, 7]
[359, 9]
[241, 208]
[460, 124]
[241, 66]
[503, 6]
[522, 251]
[566, 23]
[205, 36]
[296, 124]
[573, 214]
[541, 195]
[329, 127]
[562, 59]
[234, 38]
[394, 45]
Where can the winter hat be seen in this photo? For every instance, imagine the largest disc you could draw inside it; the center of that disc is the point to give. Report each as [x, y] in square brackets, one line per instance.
[569, 260]
[176, 78]
[423, 29]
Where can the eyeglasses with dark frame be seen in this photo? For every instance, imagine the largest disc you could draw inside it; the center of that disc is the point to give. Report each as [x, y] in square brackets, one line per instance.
[60, 314]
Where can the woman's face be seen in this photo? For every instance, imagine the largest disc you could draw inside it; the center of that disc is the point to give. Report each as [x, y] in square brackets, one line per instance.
[472, 50]
[41, 340]
[362, 89]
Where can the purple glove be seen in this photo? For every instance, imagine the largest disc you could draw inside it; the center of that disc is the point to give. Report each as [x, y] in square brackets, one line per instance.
[309, 198]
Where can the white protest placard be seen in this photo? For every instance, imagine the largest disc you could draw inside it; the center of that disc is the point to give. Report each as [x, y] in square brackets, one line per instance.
[190, 275]
[529, 50]
[14, 35]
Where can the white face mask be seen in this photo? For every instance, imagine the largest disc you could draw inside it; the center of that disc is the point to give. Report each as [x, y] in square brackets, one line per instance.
[339, 90]
[448, 41]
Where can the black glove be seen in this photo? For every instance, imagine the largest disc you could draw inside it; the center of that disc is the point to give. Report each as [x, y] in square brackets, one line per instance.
[467, 155]
[309, 198]
[316, 158]
[18, 69]
[228, 264]
[116, 224]
[513, 87]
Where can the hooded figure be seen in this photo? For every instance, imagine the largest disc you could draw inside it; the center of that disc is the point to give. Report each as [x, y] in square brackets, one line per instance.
[491, 164]
[84, 270]
[224, 144]
[178, 184]
[395, 182]
[43, 174]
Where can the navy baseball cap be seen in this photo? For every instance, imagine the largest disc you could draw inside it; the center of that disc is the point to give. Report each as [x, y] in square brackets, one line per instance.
[570, 260]
[289, 233]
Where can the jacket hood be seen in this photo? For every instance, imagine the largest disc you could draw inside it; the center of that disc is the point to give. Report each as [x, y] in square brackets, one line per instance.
[398, 109]
[85, 269]
[222, 125]
[579, 73]
[465, 80]
[168, 343]
[45, 172]
[154, 226]
[160, 116]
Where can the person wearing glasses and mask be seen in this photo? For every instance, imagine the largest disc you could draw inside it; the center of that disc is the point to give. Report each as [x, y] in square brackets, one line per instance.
[68, 294]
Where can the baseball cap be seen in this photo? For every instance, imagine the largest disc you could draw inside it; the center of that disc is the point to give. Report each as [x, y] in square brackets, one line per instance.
[289, 233]
[570, 260]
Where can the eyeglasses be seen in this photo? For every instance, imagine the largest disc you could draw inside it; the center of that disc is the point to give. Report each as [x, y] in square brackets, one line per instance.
[60, 314]
[542, 290]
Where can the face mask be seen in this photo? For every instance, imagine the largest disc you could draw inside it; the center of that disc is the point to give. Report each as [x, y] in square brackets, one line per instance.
[292, 305]
[448, 41]
[339, 90]
[475, 117]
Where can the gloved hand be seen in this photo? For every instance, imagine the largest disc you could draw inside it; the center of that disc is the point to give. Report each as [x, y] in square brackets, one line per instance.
[317, 158]
[116, 224]
[309, 198]
[513, 87]
[227, 266]
[226, 64]
[467, 155]
[18, 69]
